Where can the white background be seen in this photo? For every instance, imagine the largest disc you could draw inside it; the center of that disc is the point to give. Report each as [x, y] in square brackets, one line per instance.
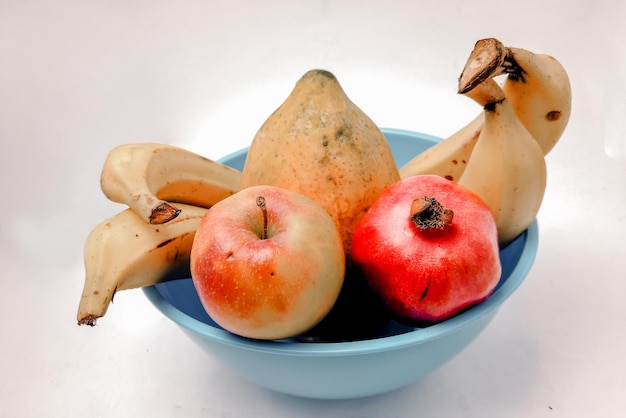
[79, 77]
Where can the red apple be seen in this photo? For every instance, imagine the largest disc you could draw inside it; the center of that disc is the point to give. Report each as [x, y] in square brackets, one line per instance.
[429, 248]
[267, 263]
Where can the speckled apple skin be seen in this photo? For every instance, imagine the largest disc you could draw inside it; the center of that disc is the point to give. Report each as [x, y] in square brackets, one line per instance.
[270, 288]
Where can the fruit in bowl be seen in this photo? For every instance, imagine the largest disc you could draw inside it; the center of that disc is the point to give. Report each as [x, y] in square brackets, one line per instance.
[395, 356]
[349, 164]
[267, 263]
[429, 249]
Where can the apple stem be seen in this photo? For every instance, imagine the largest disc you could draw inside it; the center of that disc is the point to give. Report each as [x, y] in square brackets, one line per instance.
[428, 213]
[260, 202]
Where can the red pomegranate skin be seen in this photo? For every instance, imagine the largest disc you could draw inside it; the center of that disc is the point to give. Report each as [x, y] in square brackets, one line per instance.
[425, 277]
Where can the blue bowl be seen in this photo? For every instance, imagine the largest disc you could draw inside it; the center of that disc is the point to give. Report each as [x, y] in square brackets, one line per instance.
[344, 370]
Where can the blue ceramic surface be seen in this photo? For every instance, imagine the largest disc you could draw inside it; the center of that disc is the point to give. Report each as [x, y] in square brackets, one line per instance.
[342, 370]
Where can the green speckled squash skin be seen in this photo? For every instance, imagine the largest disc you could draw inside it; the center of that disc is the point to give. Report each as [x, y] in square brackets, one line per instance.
[319, 143]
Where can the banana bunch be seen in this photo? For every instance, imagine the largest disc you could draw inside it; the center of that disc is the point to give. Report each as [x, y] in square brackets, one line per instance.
[500, 154]
[537, 88]
[167, 190]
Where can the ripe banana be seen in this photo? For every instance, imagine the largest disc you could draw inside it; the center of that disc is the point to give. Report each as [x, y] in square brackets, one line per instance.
[507, 167]
[537, 87]
[449, 157]
[540, 93]
[125, 252]
[148, 176]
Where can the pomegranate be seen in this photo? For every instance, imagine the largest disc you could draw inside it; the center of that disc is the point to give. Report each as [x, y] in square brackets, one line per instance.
[429, 248]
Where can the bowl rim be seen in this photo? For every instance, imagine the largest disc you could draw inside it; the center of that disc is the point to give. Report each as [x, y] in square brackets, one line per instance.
[360, 347]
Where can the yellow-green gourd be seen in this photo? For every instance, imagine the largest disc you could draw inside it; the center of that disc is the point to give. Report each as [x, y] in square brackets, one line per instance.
[319, 143]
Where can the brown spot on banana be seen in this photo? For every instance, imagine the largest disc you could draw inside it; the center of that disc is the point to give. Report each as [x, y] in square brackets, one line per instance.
[164, 243]
[553, 115]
